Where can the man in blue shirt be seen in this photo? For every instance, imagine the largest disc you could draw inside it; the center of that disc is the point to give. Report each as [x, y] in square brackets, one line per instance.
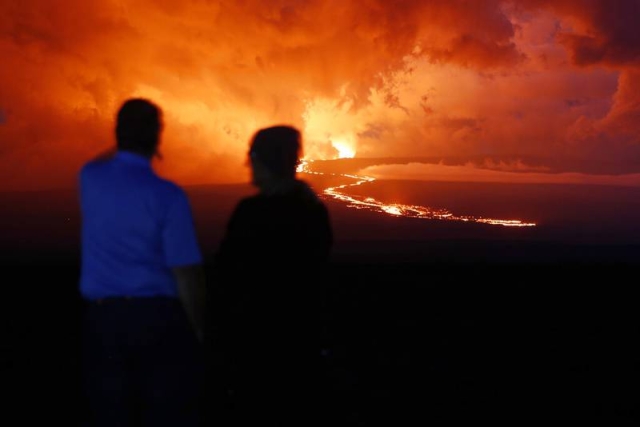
[143, 283]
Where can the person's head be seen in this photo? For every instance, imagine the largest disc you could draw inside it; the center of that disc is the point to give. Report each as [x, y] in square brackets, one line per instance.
[275, 153]
[138, 127]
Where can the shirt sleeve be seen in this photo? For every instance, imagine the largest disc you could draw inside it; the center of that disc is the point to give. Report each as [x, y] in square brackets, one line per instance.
[179, 237]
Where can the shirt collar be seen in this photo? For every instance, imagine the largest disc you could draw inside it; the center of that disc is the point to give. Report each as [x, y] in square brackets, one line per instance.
[130, 157]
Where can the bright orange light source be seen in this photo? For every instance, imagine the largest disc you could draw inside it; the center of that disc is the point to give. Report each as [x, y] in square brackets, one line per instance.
[343, 149]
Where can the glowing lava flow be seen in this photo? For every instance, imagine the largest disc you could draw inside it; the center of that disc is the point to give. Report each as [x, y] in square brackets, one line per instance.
[409, 211]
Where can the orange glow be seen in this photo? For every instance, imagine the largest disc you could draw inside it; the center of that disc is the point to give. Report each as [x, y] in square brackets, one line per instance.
[343, 149]
[549, 85]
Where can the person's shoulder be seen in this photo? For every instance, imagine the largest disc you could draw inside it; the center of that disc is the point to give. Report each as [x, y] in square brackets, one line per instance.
[252, 202]
[304, 191]
[169, 189]
[93, 165]
[312, 200]
[101, 159]
[87, 167]
[170, 185]
[251, 207]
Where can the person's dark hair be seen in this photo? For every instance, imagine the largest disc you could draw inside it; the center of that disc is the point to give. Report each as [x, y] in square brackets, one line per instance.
[278, 148]
[138, 126]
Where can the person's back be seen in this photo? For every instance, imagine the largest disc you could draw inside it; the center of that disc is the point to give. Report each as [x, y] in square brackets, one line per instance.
[140, 279]
[124, 206]
[270, 270]
[289, 230]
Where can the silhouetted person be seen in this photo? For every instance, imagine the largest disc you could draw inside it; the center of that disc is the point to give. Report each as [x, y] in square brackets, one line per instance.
[269, 272]
[143, 284]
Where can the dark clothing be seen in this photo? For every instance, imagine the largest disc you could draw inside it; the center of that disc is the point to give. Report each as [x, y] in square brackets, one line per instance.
[141, 350]
[280, 232]
[266, 301]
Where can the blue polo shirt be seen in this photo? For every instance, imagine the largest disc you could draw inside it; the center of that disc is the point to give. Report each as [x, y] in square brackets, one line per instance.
[136, 226]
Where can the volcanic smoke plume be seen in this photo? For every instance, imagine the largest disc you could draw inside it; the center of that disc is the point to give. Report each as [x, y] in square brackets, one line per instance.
[534, 90]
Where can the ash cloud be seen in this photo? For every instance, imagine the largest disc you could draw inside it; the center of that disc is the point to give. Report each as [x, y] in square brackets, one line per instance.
[368, 78]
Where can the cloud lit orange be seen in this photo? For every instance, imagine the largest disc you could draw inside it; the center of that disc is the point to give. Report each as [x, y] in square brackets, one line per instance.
[551, 86]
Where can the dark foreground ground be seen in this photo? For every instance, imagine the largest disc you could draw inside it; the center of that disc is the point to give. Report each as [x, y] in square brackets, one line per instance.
[451, 323]
[420, 342]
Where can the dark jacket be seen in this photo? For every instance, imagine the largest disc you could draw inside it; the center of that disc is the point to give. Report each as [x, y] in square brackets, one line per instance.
[273, 256]
[267, 296]
[280, 232]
